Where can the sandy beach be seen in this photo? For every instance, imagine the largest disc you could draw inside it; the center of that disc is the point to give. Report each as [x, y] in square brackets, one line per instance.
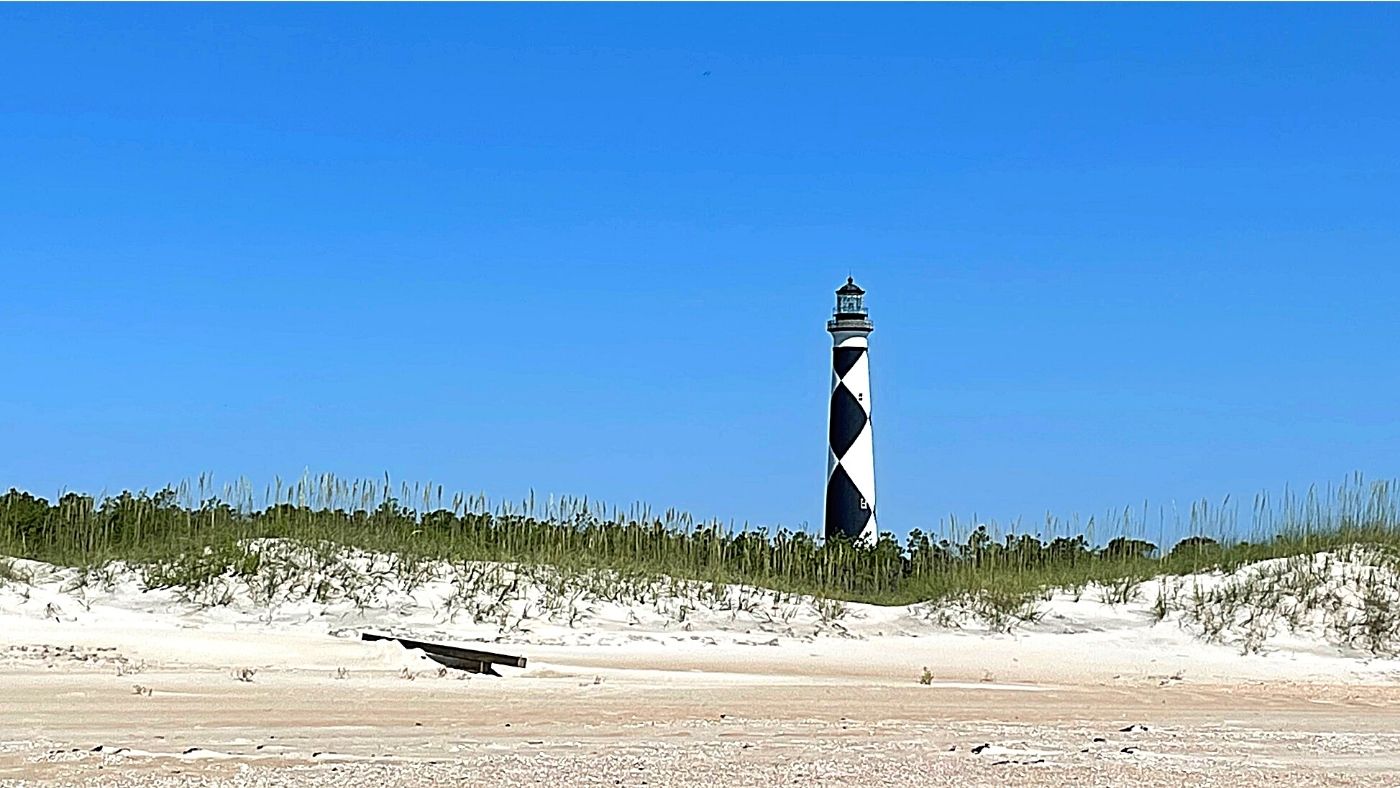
[129, 686]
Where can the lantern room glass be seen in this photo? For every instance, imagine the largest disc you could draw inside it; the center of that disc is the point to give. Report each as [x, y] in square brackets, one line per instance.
[850, 305]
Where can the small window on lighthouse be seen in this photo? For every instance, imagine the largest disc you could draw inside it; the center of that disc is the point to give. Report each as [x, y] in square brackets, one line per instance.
[850, 304]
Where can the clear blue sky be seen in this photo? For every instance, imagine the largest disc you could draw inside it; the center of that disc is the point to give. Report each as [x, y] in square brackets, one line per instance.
[1114, 253]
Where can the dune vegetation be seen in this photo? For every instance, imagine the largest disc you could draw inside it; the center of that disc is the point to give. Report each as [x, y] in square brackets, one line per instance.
[192, 533]
[1326, 562]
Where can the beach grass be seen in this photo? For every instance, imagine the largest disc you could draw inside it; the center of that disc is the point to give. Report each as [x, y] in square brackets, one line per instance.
[190, 534]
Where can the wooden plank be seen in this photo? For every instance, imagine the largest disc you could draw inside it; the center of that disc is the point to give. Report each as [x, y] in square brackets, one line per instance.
[456, 654]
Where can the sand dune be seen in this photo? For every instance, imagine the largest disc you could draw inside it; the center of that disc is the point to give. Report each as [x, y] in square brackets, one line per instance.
[113, 683]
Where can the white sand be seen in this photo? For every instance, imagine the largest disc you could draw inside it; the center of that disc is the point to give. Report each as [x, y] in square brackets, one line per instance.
[617, 689]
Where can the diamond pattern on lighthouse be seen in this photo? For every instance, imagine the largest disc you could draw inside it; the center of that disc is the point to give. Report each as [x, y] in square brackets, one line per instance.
[848, 418]
[850, 489]
[844, 501]
[843, 358]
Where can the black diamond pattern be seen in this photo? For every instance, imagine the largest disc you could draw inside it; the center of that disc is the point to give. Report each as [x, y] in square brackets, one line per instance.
[843, 358]
[846, 512]
[847, 419]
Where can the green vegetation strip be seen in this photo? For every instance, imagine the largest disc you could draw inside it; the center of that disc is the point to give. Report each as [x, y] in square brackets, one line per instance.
[189, 535]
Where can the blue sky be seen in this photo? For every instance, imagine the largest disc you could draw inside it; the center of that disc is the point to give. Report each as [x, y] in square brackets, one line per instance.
[1114, 253]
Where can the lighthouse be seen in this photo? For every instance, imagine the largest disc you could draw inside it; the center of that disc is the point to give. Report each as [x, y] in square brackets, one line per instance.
[850, 459]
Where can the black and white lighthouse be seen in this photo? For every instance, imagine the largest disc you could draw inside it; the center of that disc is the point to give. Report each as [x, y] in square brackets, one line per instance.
[850, 460]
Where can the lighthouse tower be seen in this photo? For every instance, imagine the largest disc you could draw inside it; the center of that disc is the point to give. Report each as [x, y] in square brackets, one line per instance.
[850, 459]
